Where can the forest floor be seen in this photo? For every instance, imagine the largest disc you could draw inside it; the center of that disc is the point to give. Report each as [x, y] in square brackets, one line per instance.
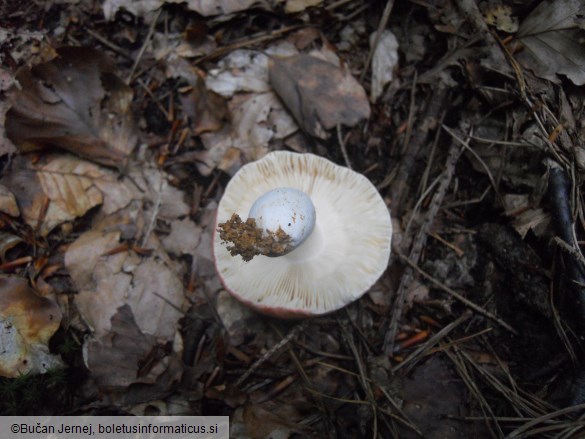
[121, 123]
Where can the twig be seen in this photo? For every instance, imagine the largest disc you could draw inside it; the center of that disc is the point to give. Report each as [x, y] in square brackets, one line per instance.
[420, 351]
[342, 145]
[109, 44]
[143, 48]
[465, 144]
[400, 189]
[454, 293]
[418, 244]
[155, 211]
[247, 42]
[464, 373]
[293, 333]
[348, 336]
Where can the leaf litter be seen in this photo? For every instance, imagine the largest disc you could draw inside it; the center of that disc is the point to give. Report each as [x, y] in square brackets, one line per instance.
[74, 102]
[456, 132]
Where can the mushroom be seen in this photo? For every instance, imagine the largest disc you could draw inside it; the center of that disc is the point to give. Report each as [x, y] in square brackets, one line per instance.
[316, 235]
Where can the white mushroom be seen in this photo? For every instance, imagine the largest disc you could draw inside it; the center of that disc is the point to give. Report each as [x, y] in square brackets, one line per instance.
[317, 235]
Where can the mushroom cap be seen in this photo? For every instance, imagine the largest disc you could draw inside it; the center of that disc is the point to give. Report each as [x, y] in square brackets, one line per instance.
[345, 255]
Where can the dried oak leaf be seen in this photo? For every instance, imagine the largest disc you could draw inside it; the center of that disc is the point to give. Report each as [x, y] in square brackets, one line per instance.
[27, 322]
[553, 40]
[319, 94]
[74, 102]
[54, 190]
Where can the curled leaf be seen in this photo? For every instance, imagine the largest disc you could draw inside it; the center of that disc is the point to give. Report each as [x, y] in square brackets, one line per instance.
[74, 102]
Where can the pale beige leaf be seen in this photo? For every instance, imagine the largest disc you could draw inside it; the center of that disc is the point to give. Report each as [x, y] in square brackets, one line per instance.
[203, 7]
[64, 185]
[294, 6]
[150, 286]
[184, 237]
[384, 62]
[67, 182]
[27, 322]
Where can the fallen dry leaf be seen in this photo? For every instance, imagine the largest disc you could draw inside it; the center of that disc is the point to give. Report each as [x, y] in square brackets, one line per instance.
[54, 190]
[132, 304]
[240, 71]
[384, 62]
[553, 40]
[7, 242]
[184, 237]
[319, 94]
[261, 423]
[8, 202]
[256, 120]
[6, 82]
[150, 286]
[501, 17]
[423, 407]
[294, 6]
[125, 355]
[74, 102]
[206, 109]
[27, 322]
[525, 216]
[203, 7]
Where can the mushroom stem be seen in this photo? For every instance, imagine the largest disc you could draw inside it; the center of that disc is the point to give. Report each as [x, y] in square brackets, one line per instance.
[278, 222]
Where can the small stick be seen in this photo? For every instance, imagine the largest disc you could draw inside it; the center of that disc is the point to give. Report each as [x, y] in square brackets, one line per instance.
[293, 333]
[455, 294]
[342, 145]
[109, 44]
[143, 48]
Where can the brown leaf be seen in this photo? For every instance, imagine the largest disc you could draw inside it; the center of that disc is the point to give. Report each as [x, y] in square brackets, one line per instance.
[206, 109]
[423, 405]
[6, 82]
[74, 102]
[53, 191]
[125, 355]
[319, 94]
[27, 322]
[149, 285]
[261, 423]
[8, 202]
[553, 41]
